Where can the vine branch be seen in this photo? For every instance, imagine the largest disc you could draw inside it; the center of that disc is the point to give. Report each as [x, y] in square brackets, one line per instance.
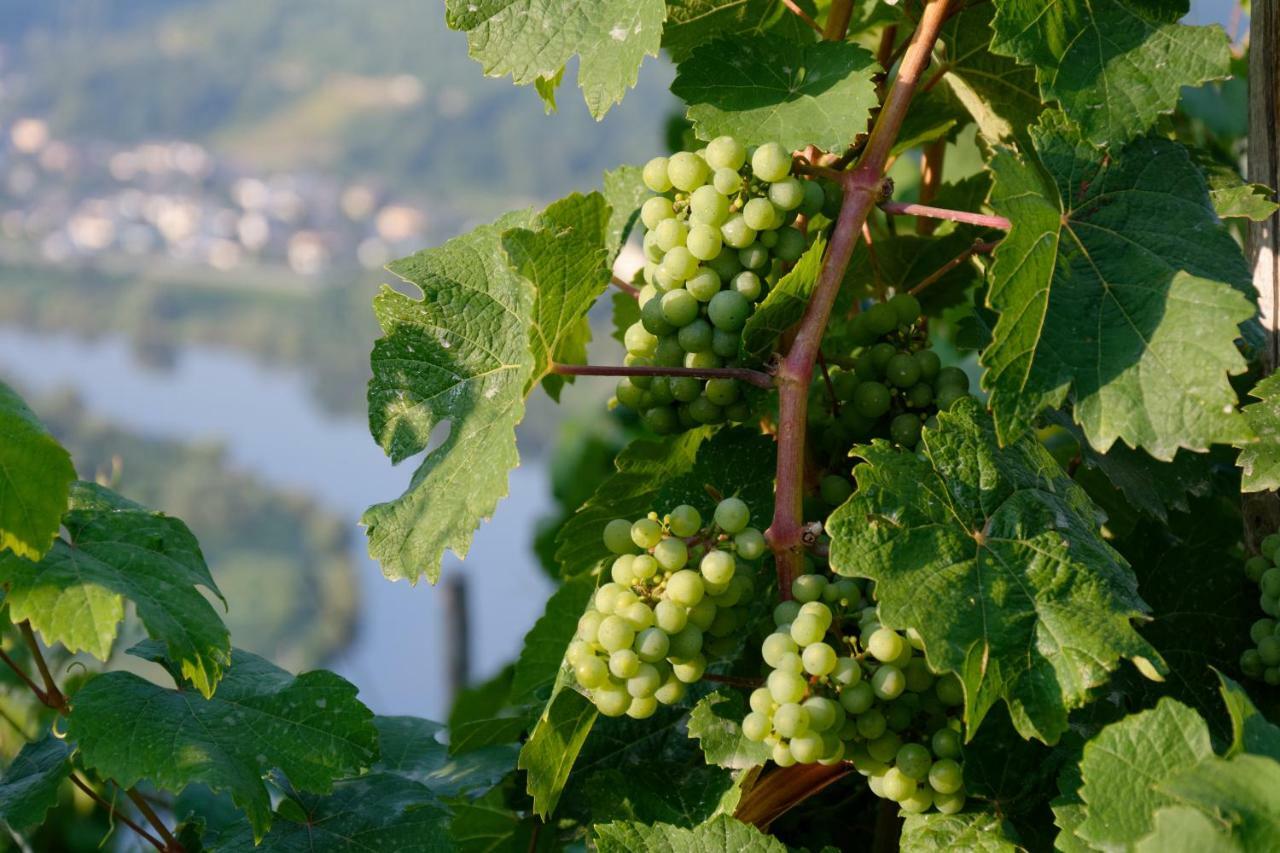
[985, 220]
[115, 813]
[742, 374]
[733, 680]
[978, 248]
[803, 15]
[171, 843]
[52, 695]
[626, 287]
[838, 18]
[863, 187]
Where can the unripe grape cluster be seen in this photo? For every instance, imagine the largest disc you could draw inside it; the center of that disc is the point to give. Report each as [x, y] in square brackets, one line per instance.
[1263, 660]
[716, 231]
[892, 387]
[678, 591]
[841, 687]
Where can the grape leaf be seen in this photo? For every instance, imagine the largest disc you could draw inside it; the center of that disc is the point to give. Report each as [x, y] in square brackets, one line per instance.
[994, 555]
[1000, 94]
[692, 23]
[660, 475]
[624, 192]
[784, 305]
[661, 791]
[715, 836]
[545, 644]
[1230, 195]
[1241, 794]
[411, 747]
[976, 831]
[553, 746]
[481, 715]
[310, 727]
[35, 478]
[626, 310]
[716, 721]
[1260, 461]
[1252, 733]
[1181, 829]
[467, 353]
[1116, 284]
[782, 91]
[1113, 65]
[487, 825]
[1125, 765]
[532, 39]
[379, 811]
[29, 786]
[115, 550]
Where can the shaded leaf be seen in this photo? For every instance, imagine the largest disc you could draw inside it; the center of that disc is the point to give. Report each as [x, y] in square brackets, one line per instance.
[35, 478]
[29, 786]
[1241, 795]
[545, 644]
[1252, 733]
[661, 792]
[999, 94]
[783, 306]
[692, 23]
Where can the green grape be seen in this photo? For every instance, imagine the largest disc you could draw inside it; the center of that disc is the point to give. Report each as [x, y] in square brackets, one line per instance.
[1270, 582]
[679, 306]
[646, 533]
[690, 670]
[949, 690]
[702, 613]
[1272, 675]
[704, 411]
[807, 630]
[591, 672]
[645, 682]
[685, 520]
[687, 171]
[888, 682]
[732, 515]
[654, 175]
[906, 307]
[946, 776]
[881, 319]
[754, 257]
[871, 723]
[918, 396]
[615, 634]
[919, 678]
[653, 320]
[671, 554]
[642, 707]
[685, 587]
[1269, 604]
[678, 265]
[755, 726]
[722, 392]
[1269, 651]
[639, 340]
[864, 367]
[905, 430]
[750, 543]
[661, 420]
[737, 233]
[806, 588]
[818, 611]
[669, 616]
[727, 181]
[952, 377]
[844, 383]
[902, 370]
[624, 663]
[824, 713]
[785, 686]
[629, 394]
[948, 803]
[617, 536]
[818, 659]
[670, 233]
[857, 698]
[786, 612]
[660, 391]
[652, 645]
[948, 395]
[847, 672]
[768, 239]
[1255, 566]
[748, 284]
[724, 343]
[703, 284]
[881, 354]
[885, 645]
[914, 760]
[775, 646]
[685, 388]
[897, 785]
[885, 747]
[791, 662]
[654, 212]
[717, 567]
[929, 363]
[605, 598]
[781, 755]
[871, 399]
[806, 749]
[708, 206]
[835, 490]
[787, 194]
[703, 243]
[946, 743]
[696, 337]
[686, 643]
[791, 719]
[919, 802]
[1261, 629]
[761, 215]
[725, 152]
[1269, 545]
[790, 245]
[771, 162]
[612, 700]
[620, 571]
[813, 198]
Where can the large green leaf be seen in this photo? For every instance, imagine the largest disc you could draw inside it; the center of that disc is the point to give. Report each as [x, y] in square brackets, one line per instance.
[115, 550]
[624, 192]
[411, 747]
[553, 746]
[1260, 460]
[467, 353]
[1125, 765]
[488, 825]
[1182, 829]
[533, 39]
[545, 644]
[761, 89]
[35, 476]
[29, 786]
[1242, 796]
[1113, 65]
[660, 792]
[974, 831]
[1000, 94]
[784, 305]
[716, 721]
[718, 835]
[309, 727]
[660, 475]
[691, 23]
[994, 555]
[482, 716]
[1251, 732]
[1117, 285]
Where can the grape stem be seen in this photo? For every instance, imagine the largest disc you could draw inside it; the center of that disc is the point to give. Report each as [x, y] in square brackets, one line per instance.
[742, 374]
[52, 695]
[978, 248]
[985, 220]
[803, 15]
[626, 288]
[863, 187]
[838, 18]
[930, 179]
[114, 813]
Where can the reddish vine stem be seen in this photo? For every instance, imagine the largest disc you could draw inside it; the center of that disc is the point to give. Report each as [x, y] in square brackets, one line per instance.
[803, 15]
[733, 680]
[52, 695]
[831, 388]
[742, 374]
[171, 843]
[115, 813]
[22, 674]
[838, 18]
[626, 288]
[978, 248]
[986, 220]
[863, 186]
[930, 179]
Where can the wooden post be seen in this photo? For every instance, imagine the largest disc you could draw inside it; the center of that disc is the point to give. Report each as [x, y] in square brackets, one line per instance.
[457, 633]
[1262, 511]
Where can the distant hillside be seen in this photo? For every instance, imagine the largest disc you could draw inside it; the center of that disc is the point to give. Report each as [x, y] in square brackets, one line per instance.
[305, 84]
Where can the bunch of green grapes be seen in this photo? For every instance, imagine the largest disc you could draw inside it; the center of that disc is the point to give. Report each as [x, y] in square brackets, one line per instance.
[673, 584]
[841, 687]
[1263, 661]
[893, 387]
[717, 230]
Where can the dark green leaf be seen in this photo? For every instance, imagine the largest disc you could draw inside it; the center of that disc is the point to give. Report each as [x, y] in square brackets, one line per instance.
[1252, 733]
[716, 722]
[1242, 795]
[692, 23]
[660, 792]
[545, 644]
[1000, 94]
[411, 747]
[29, 786]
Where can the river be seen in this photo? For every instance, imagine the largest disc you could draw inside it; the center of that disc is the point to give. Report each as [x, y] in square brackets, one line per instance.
[269, 424]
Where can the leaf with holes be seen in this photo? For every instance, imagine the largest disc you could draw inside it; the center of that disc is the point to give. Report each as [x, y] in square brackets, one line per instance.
[762, 89]
[994, 555]
[1119, 287]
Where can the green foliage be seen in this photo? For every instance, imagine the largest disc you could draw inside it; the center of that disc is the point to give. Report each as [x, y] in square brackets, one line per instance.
[716, 721]
[37, 476]
[723, 833]
[1260, 461]
[29, 786]
[784, 305]
[976, 830]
